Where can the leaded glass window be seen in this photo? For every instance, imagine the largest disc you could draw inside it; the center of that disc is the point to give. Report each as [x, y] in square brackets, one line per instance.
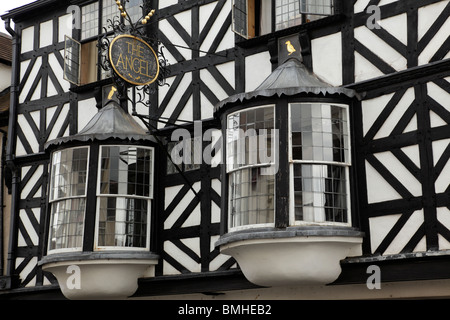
[320, 160]
[250, 150]
[68, 198]
[124, 199]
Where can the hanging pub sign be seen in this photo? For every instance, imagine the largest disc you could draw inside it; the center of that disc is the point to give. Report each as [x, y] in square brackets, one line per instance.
[133, 60]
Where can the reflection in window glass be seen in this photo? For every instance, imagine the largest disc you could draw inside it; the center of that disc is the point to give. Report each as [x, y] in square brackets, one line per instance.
[125, 196]
[123, 222]
[249, 151]
[250, 136]
[134, 10]
[89, 20]
[320, 153]
[67, 198]
[287, 14]
[252, 197]
[109, 12]
[319, 132]
[320, 193]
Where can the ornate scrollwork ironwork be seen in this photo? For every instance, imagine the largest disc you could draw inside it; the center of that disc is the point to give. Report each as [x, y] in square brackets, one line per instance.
[123, 24]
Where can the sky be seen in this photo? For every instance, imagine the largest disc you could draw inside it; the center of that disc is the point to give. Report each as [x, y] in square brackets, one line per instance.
[6, 6]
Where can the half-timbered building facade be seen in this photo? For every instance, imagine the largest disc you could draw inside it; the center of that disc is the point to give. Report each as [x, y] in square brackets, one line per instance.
[284, 149]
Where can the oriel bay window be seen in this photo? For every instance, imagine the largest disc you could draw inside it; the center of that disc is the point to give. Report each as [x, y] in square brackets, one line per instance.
[295, 221]
[123, 201]
[100, 206]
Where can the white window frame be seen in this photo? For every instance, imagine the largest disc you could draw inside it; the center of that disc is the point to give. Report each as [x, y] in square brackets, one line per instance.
[53, 201]
[149, 199]
[292, 162]
[248, 226]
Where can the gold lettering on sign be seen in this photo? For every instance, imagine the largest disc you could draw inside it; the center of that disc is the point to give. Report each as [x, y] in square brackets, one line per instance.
[134, 60]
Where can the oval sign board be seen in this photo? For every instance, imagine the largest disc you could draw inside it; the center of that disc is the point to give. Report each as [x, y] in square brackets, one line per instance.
[133, 60]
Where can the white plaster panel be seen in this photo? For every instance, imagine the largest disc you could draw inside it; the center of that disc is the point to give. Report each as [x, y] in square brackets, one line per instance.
[360, 5]
[27, 39]
[413, 154]
[228, 41]
[59, 73]
[187, 113]
[175, 39]
[193, 219]
[228, 71]
[427, 16]
[167, 3]
[406, 233]
[378, 190]
[257, 69]
[27, 86]
[64, 27]
[46, 33]
[25, 192]
[212, 84]
[397, 26]
[86, 111]
[176, 213]
[439, 38]
[396, 114]
[174, 100]
[34, 237]
[442, 182]
[380, 48]
[181, 257]
[207, 108]
[327, 58]
[364, 69]
[400, 172]
[384, 2]
[50, 112]
[443, 216]
[440, 96]
[170, 193]
[29, 134]
[372, 108]
[380, 227]
[218, 261]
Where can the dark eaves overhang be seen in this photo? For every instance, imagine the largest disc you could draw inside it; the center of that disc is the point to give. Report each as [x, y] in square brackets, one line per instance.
[290, 78]
[28, 9]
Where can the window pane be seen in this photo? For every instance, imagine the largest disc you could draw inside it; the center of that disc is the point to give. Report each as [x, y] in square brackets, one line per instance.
[252, 198]
[109, 12]
[134, 9]
[89, 20]
[320, 193]
[319, 132]
[287, 14]
[66, 224]
[126, 171]
[317, 7]
[68, 173]
[123, 222]
[72, 60]
[240, 17]
[250, 138]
